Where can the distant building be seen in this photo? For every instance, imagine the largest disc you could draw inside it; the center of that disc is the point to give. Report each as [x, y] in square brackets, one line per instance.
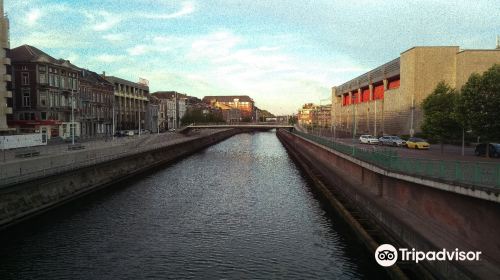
[243, 103]
[130, 103]
[96, 105]
[44, 88]
[153, 114]
[176, 106]
[387, 99]
[322, 116]
[306, 114]
[5, 74]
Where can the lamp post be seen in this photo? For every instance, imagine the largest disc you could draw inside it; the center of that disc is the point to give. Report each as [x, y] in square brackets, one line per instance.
[72, 125]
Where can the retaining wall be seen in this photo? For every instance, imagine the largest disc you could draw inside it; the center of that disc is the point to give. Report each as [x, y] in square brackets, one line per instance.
[21, 201]
[418, 216]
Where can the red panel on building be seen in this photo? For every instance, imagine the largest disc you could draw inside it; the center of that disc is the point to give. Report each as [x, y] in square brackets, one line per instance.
[365, 95]
[346, 100]
[378, 92]
[393, 84]
[355, 97]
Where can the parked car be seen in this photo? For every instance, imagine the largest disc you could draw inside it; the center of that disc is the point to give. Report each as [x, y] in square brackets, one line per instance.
[494, 150]
[368, 139]
[417, 143]
[391, 141]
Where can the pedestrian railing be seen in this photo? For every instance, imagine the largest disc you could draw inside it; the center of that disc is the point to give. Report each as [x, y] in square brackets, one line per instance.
[50, 167]
[485, 174]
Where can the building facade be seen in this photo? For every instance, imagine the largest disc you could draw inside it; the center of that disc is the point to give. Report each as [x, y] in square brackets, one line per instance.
[95, 105]
[244, 103]
[305, 115]
[5, 73]
[153, 114]
[44, 88]
[387, 100]
[175, 106]
[130, 103]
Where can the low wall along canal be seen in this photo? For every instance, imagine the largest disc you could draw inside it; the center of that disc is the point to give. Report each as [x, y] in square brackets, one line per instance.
[410, 211]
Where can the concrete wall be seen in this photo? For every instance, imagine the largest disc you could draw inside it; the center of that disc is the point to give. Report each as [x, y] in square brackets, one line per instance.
[26, 199]
[416, 215]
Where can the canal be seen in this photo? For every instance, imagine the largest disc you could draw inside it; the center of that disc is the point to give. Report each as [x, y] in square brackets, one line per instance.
[238, 210]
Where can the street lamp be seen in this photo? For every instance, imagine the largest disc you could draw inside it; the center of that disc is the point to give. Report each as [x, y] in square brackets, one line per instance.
[72, 125]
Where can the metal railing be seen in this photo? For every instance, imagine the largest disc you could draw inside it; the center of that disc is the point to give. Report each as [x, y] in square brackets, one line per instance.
[484, 174]
[58, 164]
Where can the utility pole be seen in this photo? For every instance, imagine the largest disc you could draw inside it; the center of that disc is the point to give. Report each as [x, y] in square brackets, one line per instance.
[72, 125]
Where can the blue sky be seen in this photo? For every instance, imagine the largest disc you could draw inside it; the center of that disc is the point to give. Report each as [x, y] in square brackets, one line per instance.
[281, 53]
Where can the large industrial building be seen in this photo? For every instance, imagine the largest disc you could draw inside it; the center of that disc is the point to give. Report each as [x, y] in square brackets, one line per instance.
[387, 99]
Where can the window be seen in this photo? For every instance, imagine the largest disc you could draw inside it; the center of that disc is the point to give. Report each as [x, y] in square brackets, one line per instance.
[24, 67]
[43, 116]
[51, 80]
[43, 99]
[25, 78]
[26, 97]
[43, 78]
[63, 82]
[56, 84]
[42, 68]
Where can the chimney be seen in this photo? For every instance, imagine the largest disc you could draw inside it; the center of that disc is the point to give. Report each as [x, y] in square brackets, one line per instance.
[498, 42]
[104, 73]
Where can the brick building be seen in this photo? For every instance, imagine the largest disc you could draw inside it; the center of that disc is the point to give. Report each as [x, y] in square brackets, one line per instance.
[44, 88]
[243, 103]
[95, 105]
[387, 99]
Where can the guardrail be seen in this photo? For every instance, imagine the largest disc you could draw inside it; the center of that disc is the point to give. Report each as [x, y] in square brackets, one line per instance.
[484, 174]
[91, 158]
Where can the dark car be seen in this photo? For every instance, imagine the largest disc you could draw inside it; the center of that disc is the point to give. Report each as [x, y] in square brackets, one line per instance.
[493, 147]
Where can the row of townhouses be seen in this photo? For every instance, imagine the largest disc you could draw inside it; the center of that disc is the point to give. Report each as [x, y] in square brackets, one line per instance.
[55, 97]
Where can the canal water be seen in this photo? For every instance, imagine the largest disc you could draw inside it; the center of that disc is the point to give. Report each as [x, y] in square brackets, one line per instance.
[238, 210]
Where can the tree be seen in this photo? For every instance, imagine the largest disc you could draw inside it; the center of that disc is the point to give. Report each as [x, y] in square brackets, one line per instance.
[439, 114]
[480, 104]
[197, 116]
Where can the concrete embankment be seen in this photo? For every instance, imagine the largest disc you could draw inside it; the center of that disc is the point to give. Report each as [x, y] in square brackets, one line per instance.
[23, 200]
[409, 212]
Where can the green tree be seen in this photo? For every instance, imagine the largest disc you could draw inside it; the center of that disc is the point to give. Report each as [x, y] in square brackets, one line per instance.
[480, 104]
[440, 121]
[197, 116]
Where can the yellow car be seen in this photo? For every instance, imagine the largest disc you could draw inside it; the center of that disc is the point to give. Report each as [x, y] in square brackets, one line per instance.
[417, 143]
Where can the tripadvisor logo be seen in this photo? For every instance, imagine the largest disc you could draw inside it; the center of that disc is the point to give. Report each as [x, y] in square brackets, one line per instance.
[387, 255]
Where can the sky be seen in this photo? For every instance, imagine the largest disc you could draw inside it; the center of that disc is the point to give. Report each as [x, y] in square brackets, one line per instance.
[281, 53]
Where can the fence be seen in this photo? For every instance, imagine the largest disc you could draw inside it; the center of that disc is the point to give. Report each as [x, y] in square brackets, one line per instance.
[27, 170]
[483, 174]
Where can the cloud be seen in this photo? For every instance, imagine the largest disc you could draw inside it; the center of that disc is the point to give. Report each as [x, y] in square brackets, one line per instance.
[137, 50]
[109, 58]
[32, 16]
[186, 9]
[114, 37]
[102, 20]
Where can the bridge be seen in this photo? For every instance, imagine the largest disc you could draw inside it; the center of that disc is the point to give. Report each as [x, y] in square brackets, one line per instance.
[253, 126]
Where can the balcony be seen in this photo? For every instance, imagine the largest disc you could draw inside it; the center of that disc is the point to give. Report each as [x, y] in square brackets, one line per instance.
[9, 94]
[6, 61]
[7, 78]
[8, 111]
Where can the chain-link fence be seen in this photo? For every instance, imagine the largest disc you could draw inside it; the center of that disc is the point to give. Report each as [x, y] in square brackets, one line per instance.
[483, 174]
